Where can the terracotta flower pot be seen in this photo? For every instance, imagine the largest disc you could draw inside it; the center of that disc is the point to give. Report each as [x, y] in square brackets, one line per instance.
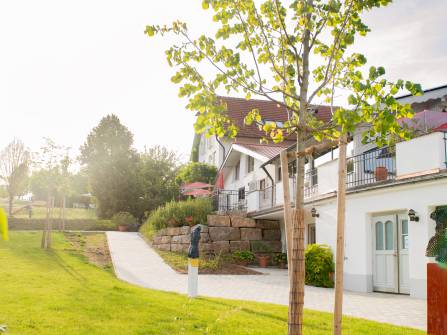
[263, 261]
[122, 227]
[381, 173]
[189, 219]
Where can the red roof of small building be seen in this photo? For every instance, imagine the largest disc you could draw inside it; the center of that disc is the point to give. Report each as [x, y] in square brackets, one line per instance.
[238, 108]
[442, 127]
[195, 186]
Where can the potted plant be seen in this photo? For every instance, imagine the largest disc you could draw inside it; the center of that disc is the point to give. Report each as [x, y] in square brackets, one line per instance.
[264, 252]
[381, 173]
[243, 257]
[123, 220]
[281, 260]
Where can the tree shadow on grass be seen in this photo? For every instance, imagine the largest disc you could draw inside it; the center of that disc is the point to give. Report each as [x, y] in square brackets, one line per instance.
[245, 310]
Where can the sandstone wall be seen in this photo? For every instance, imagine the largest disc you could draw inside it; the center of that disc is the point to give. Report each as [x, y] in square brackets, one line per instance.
[224, 234]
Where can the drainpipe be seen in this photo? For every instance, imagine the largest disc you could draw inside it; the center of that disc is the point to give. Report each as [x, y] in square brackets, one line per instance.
[223, 148]
[271, 179]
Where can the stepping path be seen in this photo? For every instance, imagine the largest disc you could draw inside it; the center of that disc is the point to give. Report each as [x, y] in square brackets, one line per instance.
[137, 263]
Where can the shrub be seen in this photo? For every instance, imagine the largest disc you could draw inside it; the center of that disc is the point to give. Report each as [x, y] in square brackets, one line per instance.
[244, 255]
[177, 214]
[281, 258]
[123, 219]
[319, 265]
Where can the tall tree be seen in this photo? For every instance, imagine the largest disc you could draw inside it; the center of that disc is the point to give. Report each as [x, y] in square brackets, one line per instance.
[112, 167]
[158, 168]
[292, 54]
[15, 161]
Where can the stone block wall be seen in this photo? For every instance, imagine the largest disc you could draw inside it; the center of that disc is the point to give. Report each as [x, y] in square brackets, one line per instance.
[224, 234]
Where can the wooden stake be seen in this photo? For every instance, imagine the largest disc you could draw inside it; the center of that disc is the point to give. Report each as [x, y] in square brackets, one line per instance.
[287, 206]
[341, 217]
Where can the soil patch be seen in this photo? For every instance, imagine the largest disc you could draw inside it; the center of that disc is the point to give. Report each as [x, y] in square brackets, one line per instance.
[93, 246]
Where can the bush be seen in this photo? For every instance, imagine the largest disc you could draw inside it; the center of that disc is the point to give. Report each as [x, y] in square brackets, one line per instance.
[179, 213]
[281, 258]
[123, 219]
[319, 265]
[241, 255]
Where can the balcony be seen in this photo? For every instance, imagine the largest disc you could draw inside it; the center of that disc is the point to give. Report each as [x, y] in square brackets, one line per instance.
[225, 201]
[418, 157]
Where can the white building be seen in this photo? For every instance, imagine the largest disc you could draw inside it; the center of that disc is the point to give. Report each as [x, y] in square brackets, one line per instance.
[385, 247]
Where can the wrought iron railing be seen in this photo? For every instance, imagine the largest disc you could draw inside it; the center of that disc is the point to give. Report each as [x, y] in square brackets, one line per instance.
[377, 165]
[230, 201]
[267, 197]
[310, 183]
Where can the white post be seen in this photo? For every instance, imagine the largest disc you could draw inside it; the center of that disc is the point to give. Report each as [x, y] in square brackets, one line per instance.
[193, 277]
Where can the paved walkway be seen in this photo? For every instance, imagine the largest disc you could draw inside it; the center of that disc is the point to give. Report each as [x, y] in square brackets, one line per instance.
[136, 262]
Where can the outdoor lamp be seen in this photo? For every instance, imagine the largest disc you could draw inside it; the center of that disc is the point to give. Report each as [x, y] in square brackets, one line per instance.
[314, 213]
[413, 216]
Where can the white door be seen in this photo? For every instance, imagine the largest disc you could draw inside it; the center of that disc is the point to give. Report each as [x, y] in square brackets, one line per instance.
[404, 260]
[385, 277]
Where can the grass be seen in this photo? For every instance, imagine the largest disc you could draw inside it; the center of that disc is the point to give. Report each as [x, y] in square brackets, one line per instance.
[179, 261]
[60, 292]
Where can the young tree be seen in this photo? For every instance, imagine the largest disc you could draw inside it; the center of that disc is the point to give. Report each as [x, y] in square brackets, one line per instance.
[293, 55]
[112, 166]
[15, 160]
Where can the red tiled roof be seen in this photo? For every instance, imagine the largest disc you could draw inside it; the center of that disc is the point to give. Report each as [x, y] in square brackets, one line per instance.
[238, 108]
[442, 127]
[267, 150]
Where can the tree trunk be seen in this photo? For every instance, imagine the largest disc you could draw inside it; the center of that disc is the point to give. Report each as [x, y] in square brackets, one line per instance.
[10, 204]
[63, 212]
[287, 208]
[341, 214]
[44, 243]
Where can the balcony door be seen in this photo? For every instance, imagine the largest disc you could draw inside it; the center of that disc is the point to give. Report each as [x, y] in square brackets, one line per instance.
[391, 262]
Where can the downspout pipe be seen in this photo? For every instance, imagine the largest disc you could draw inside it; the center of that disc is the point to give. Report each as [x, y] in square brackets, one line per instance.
[445, 149]
[224, 151]
[271, 179]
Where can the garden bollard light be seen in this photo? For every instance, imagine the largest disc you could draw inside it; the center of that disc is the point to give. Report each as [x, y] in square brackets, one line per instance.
[193, 262]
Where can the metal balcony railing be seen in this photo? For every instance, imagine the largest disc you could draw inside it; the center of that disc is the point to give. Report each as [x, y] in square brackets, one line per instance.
[267, 197]
[370, 167]
[230, 201]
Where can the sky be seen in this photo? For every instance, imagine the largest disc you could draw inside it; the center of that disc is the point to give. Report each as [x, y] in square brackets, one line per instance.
[66, 64]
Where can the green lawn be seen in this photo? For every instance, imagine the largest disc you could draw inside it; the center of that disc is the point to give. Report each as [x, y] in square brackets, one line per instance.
[59, 292]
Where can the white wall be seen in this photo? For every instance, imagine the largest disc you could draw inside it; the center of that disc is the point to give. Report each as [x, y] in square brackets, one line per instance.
[421, 154]
[360, 207]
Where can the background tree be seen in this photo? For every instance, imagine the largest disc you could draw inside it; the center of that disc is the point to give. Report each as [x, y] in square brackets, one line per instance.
[196, 172]
[158, 168]
[112, 167]
[293, 55]
[15, 160]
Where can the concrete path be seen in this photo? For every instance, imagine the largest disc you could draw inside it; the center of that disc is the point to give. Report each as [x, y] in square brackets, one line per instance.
[135, 262]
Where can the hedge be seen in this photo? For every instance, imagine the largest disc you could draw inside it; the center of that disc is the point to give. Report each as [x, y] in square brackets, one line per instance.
[319, 265]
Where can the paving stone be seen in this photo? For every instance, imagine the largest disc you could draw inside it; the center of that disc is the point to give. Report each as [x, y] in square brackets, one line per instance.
[239, 245]
[237, 221]
[221, 247]
[218, 221]
[271, 234]
[251, 234]
[224, 234]
[267, 224]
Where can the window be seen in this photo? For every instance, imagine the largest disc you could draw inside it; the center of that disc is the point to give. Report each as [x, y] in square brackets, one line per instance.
[379, 236]
[311, 234]
[279, 178]
[292, 169]
[404, 234]
[241, 193]
[262, 184]
[389, 235]
[250, 164]
[237, 169]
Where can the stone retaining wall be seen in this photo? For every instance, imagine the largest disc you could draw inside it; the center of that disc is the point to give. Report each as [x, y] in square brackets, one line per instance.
[224, 234]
